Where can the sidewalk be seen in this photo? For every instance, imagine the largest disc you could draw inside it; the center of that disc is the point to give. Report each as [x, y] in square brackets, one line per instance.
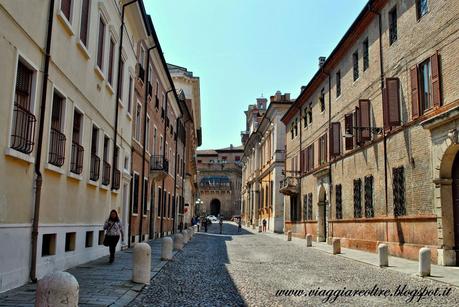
[101, 283]
[444, 274]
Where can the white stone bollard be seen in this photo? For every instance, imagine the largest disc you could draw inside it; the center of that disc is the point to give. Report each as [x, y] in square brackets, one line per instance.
[289, 235]
[141, 263]
[383, 255]
[166, 248]
[195, 228]
[336, 246]
[186, 237]
[308, 240]
[57, 289]
[190, 234]
[424, 261]
[260, 229]
[178, 241]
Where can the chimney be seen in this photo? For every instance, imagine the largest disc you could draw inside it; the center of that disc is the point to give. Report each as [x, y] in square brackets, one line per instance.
[321, 61]
[278, 96]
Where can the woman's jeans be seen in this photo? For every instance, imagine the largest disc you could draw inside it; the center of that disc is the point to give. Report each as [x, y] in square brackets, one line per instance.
[112, 242]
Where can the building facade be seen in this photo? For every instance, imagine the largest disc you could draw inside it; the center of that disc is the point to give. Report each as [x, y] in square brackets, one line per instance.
[372, 139]
[219, 177]
[262, 166]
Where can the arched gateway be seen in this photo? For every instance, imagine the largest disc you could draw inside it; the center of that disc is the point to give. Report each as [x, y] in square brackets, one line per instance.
[215, 207]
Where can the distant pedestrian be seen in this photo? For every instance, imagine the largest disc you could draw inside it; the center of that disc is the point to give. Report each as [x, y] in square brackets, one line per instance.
[264, 225]
[221, 225]
[205, 224]
[239, 225]
[113, 230]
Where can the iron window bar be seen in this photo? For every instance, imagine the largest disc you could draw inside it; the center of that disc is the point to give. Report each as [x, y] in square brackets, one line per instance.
[116, 179]
[159, 163]
[94, 167]
[76, 162]
[23, 130]
[56, 147]
[106, 173]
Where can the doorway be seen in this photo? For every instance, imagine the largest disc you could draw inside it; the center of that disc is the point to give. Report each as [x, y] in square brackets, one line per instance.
[455, 187]
[215, 207]
[322, 215]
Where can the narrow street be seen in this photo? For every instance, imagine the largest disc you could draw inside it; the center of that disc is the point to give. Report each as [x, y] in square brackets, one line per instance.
[246, 269]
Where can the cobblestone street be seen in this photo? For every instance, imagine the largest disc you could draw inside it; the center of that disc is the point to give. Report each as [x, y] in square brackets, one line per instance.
[247, 269]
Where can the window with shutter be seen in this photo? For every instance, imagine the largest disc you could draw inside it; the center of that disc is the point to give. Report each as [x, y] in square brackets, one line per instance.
[323, 149]
[339, 205]
[302, 162]
[311, 157]
[335, 139]
[121, 80]
[435, 71]
[111, 57]
[66, 8]
[391, 107]
[357, 198]
[364, 106]
[414, 92]
[348, 126]
[357, 123]
[84, 24]
[309, 213]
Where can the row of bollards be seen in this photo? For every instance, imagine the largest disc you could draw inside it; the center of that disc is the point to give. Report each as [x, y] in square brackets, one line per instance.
[62, 288]
[383, 253]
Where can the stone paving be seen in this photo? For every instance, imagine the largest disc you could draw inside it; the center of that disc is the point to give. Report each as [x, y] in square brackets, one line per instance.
[101, 283]
[247, 269]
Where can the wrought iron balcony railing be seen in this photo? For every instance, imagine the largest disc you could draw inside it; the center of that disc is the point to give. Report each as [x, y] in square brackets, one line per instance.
[76, 160]
[159, 163]
[23, 131]
[56, 147]
[106, 173]
[94, 168]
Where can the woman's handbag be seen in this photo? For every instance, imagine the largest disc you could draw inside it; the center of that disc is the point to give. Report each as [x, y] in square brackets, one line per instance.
[106, 243]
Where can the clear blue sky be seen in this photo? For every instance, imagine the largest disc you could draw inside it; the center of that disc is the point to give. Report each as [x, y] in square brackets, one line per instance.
[243, 48]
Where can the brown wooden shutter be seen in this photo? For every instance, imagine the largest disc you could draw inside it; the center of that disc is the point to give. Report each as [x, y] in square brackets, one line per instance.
[301, 162]
[311, 159]
[348, 126]
[357, 132]
[435, 69]
[385, 108]
[414, 92]
[325, 148]
[393, 101]
[335, 139]
[364, 106]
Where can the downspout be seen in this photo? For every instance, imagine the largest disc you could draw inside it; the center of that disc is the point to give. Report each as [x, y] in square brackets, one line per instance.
[183, 166]
[131, 198]
[381, 67]
[175, 174]
[118, 89]
[144, 142]
[164, 157]
[38, 175]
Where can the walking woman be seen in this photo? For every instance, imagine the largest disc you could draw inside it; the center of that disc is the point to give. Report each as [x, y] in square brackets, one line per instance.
[113, 231]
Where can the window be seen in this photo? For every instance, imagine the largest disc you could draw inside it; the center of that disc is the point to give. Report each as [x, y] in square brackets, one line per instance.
[101, 237]
[145, 196]
[76, 159]
[100, 44]
[295, 208]
[70, 238]
[111, 56]
[392, 25]
[23, 126]
[155, 140]
[309, 112]
[66, 8]
[425, 85]
[137, 127]
[357, 198]
[339, 204]
[106, 166]
[322, 100]
[305, 117]
[422, 8]
[349, 131]
[296, 126]
[142, 56]
[56, 137]
[366, 59]
[121, 80]
[338, 84]
[159, 201]
[391, 103]
[147, 135]
[398, 188]
[135, 201]
[364, 113]
[335, 140]
[307, 207]
[323, 149]
[237, 158]
[355, 64]
[89, 239]
[369, 211]
[130, 95]
[84, 23]
[48, 245]
[162, 106]
[126, 163]
[95, 160]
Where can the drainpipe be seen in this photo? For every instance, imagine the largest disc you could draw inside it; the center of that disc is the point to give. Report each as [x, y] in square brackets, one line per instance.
[131, 199]
[183, 166]
[175, 173]
[38, 175]
[381, 67]
[164, 157]
[144, 141]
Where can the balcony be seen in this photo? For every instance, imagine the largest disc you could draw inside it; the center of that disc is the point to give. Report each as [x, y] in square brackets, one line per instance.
[159, 166]
[76, 161]
[22, 135]
[116, 179]
[106, 173]
[56, 147]
[289, 186]
[94, 168]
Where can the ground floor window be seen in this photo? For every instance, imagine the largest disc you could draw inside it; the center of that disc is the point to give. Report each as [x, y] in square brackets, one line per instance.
[294, 208]
[338, 200]
[357, 198]
[398, 187]
[369, 210]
